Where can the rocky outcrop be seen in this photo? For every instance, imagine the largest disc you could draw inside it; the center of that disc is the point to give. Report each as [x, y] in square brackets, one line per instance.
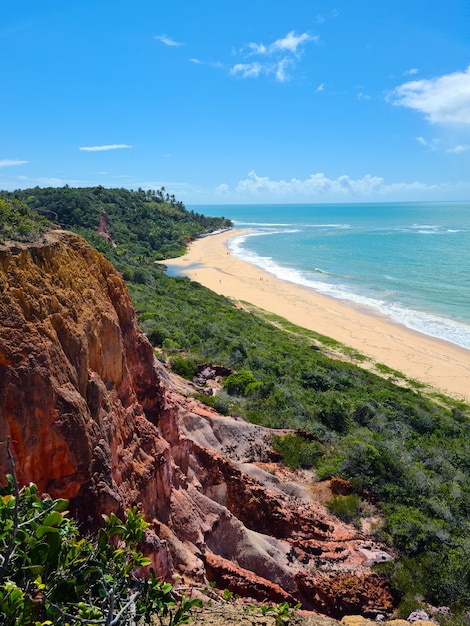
[93, 417]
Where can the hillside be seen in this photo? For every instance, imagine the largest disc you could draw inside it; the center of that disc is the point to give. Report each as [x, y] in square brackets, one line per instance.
[94, 418]
[129, 227]
[404, 458]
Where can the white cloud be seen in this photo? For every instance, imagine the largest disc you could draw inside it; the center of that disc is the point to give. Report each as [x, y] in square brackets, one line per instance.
[319, 187]
[275, 59]
[247, 70]
[10, 162]
[291, 42]
[257, 48]
[114, 146]
[222, 189]
[281, 70]
[432, 144]
[321, 87]
[459, 149]
[209, 63]
[411, 72]
[443, 99]
[168, 41]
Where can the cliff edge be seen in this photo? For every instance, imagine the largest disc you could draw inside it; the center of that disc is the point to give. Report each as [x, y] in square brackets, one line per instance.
[95, 418]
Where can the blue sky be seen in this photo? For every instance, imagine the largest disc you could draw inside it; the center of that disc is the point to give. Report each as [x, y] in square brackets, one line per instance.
[237, 101]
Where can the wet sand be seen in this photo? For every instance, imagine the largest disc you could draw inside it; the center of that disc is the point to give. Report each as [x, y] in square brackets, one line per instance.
[442, 365]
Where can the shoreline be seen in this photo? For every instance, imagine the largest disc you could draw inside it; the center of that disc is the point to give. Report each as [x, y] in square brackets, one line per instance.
[440, 364]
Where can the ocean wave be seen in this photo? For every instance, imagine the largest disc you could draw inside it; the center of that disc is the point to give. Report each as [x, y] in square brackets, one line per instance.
[429, 324]
[342, 226]
[240, 223]
[425, 229]
[261, 225]
[235, 244]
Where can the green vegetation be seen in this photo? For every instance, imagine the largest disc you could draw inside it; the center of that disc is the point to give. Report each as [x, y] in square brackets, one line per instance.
[50, 575]
[298, 451]
[403, 453]
[131, 228]
[347, 508]
[19, 223]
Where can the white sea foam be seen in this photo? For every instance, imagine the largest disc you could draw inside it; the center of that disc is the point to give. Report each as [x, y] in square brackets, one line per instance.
[239, 223]
[430, 324]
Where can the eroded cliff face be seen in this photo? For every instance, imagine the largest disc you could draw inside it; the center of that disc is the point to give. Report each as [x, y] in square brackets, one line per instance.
[95, 418]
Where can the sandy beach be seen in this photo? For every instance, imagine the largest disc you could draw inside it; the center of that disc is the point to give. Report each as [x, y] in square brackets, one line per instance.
[442, 365]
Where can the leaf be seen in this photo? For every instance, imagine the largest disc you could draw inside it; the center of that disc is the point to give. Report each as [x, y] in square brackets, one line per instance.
[61, 505]
[39, 554]
[53, 519]
[43, 530]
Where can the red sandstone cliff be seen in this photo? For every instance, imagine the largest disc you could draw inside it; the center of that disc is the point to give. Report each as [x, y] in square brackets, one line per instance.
[95, 418]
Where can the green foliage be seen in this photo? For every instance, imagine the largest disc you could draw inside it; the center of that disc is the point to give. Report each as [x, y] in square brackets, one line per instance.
[240, 383]
[131, 228]
[18, 222]
[282, 612]
[185, 367]
[297, 451]
[51, 575]
[218, 402]
[347, 508]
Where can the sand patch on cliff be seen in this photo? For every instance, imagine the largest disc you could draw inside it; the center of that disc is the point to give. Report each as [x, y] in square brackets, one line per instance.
[439, 364]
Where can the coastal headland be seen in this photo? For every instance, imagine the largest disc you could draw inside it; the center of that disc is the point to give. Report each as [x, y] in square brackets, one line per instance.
[439, 364]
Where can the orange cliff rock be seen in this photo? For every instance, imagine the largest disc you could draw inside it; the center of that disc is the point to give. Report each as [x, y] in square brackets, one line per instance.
[95, 418]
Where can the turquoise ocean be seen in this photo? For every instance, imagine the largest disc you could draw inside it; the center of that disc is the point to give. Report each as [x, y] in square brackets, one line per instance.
[409, 261]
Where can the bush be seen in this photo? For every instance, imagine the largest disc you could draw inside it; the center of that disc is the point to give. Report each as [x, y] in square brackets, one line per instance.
[219, 404]
[51, 575]
[298, 452]
[240, 383]
[185, 367]
[18, 223]
[347, 508]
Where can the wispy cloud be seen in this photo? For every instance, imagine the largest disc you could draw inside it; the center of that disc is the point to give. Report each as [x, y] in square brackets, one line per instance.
[458, 149]
[113, 146]
[321, 19]
[168, 41]
[443, 100]
[276, 59]
[11, 162]
[432, 144]
[411, 72]
[217, 64]
[290, 43]
[249, 70]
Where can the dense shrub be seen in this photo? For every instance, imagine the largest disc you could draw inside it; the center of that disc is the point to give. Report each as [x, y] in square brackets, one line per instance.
[240, 383]
[18, 222]
[347, 508]
[185, 367]
[49, 574]
[297, 451]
